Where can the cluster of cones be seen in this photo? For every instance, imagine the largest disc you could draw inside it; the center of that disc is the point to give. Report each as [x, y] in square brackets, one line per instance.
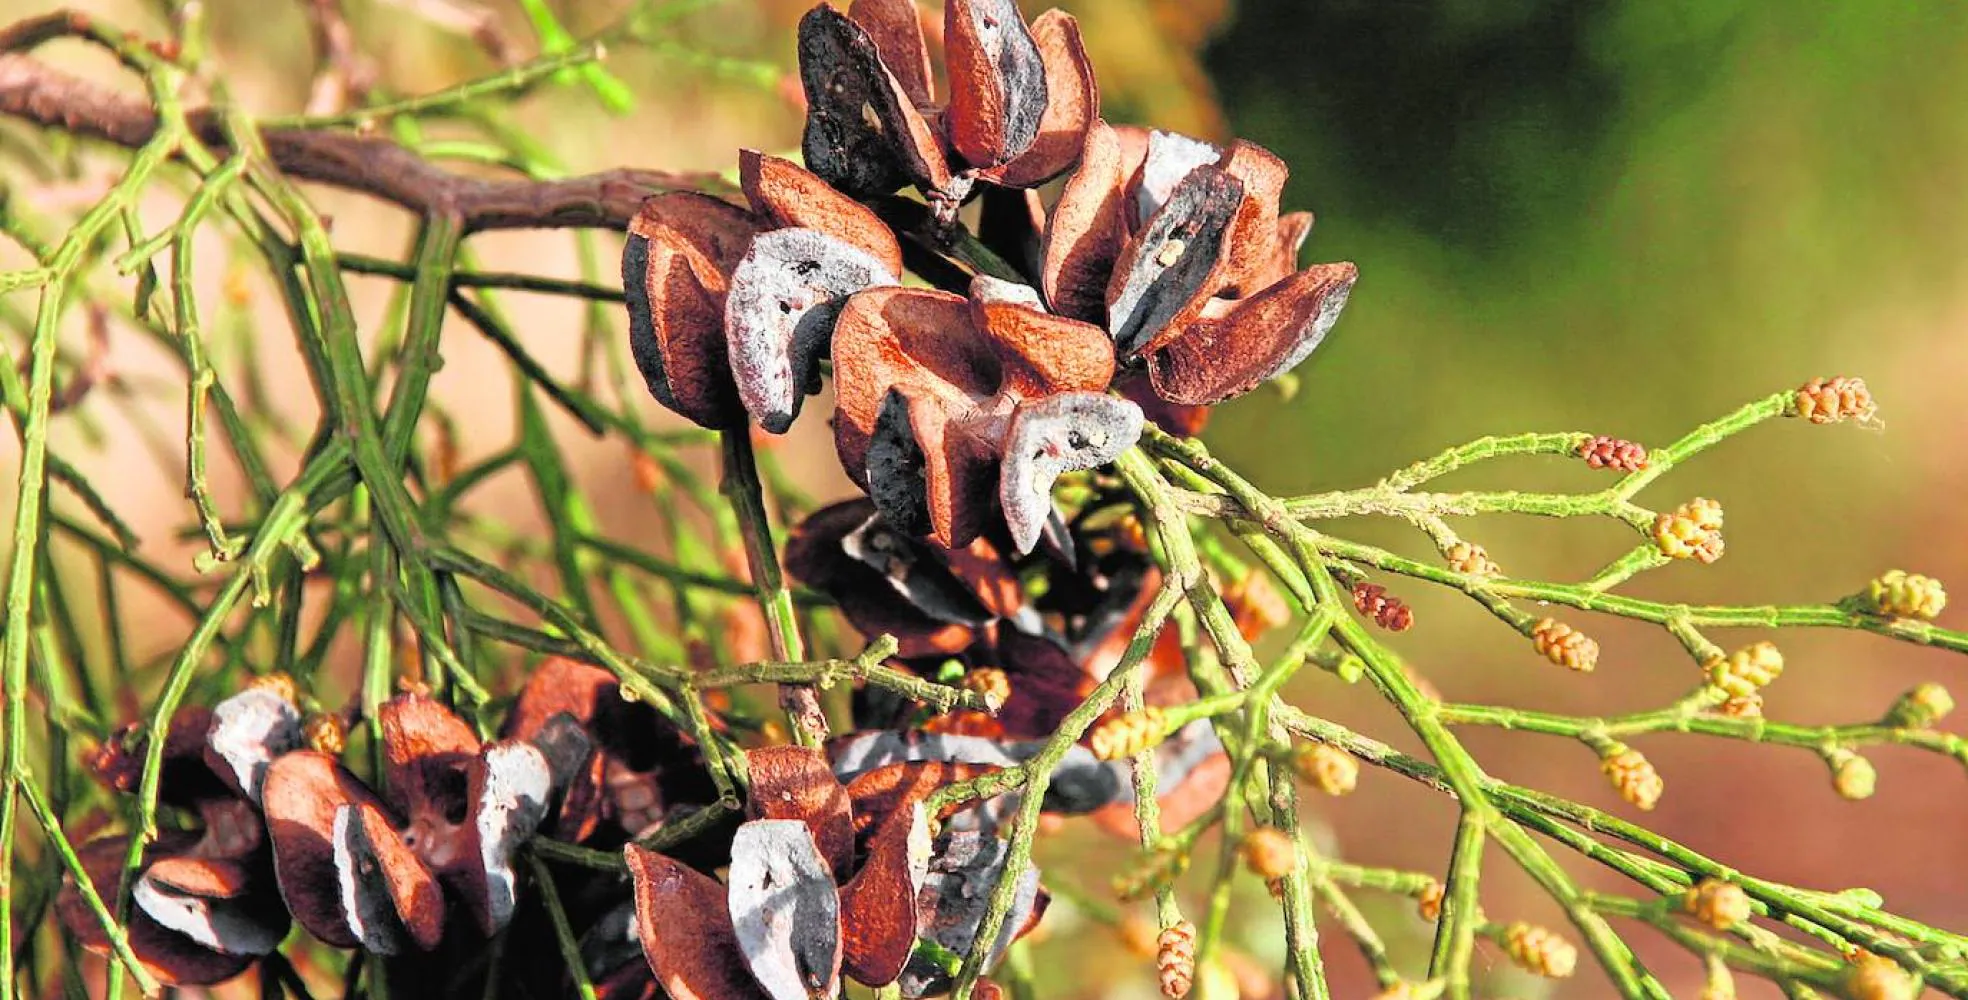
[1159, 280]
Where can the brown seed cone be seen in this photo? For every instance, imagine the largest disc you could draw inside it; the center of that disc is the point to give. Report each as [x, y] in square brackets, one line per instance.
[1564, 645]
[1828, 401]
[1386, 610]
[1539, 950]
[1603, 452]
[1633, 775]
[1175, 959]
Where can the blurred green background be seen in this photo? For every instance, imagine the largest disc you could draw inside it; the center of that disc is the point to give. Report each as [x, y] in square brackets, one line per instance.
[1624, 218]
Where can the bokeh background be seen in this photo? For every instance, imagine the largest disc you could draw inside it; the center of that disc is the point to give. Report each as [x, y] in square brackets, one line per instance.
[1568, 215]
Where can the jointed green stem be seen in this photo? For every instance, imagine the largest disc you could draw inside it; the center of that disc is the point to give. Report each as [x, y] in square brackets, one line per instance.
[1035, 774]
[747, 498]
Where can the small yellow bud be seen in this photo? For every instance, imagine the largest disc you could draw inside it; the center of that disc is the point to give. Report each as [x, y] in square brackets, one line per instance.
[1872, 977]
[1269, 852]
[1719, 904]
[280, 683]
[1564, 645]
[1153, 870]
[1540, 951]
[1851, 774]
[1921, 707]
[237, 287]
[1900, 594]
[1127, 735]
[1327, 768]
[644, 470]
[1470, 558]
[1691, 531]
[989, 682]
[1430, 901]
[325, 732]
[1747, 670]
[1749, 706]
[1633, 775]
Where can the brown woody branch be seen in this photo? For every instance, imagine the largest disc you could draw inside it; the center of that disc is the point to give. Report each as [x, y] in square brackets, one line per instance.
[35, 92]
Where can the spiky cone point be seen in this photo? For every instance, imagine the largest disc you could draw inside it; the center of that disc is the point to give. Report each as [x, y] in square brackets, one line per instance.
[1429, 901]
[1327, 768]
[1921, 707]
[1539, 950]
[1175, 959]
[1471, 559]
[1832, 400]
[1691, 531]
[1632, 775]
[1270, 853]
[1564, 645]
[1603, 452]
[1747, 670]
[1127, 735]
[1718, 904]
[1852, 776]
[1383, 608]
[1900, 594]
[1874, 977]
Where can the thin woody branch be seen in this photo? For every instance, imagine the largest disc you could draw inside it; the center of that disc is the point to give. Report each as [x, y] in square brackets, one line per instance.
[35, 92]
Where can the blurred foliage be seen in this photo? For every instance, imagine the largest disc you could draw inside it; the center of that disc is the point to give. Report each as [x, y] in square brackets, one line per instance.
[1558, 192]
